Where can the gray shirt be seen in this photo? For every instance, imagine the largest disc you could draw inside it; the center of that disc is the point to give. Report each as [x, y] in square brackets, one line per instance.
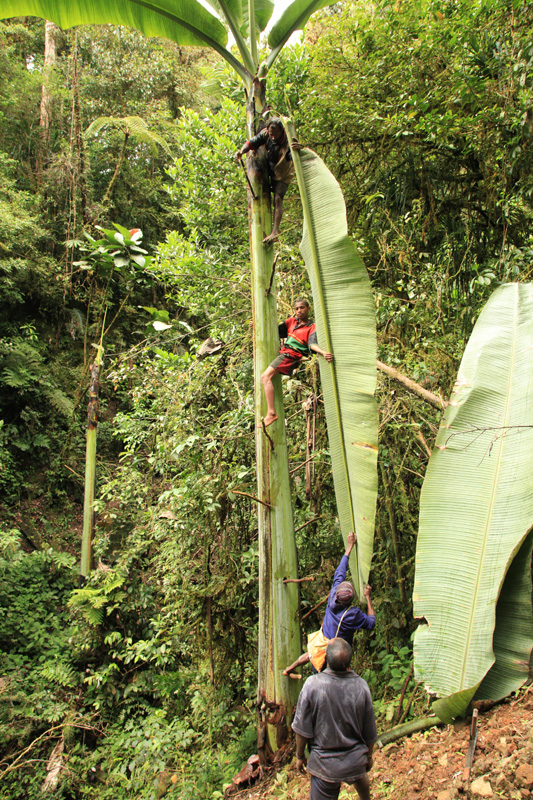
[335, 712]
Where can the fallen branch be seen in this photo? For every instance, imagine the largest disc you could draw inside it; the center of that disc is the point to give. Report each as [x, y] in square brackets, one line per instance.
[413, 387]
[298, 580]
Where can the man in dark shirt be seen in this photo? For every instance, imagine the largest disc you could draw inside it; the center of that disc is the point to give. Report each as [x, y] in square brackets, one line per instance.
[279, 162]
[340, 619]
[335, 719]
[300, 338]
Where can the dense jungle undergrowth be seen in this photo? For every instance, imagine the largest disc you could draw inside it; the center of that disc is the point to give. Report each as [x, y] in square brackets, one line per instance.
[142, 682]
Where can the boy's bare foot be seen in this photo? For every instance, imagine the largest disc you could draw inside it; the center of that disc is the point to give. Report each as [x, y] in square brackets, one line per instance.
[273, 237]
[269, 419]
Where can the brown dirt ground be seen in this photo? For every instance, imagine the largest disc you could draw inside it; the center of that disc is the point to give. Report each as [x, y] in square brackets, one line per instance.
[431, 765]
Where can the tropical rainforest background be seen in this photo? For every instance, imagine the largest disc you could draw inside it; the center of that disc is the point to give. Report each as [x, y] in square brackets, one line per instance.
[146, 675]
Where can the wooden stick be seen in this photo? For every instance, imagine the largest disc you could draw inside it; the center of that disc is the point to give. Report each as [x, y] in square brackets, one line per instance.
[298, 580]
[295, 469]
[315, 607]
[267, 291]
[267, 434]
[247, 179]
[413, 387]
[421, 438]
[251, 496]
[309, 521]
[402, 695]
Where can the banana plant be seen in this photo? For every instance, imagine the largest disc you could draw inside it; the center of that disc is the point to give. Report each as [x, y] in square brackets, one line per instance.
[188, 22]
[473, 560]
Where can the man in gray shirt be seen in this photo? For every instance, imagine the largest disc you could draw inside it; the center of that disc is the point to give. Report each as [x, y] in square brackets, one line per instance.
[335, 718]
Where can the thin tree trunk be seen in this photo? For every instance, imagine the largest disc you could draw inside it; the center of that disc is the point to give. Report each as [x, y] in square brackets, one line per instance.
[279, 633]
[413, 387]
[90, 468]
[118, 167]
[50, 33]
[394, 533]
[210, 640]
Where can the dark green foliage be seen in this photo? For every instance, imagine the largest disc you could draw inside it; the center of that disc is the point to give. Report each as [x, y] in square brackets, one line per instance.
[428, 130]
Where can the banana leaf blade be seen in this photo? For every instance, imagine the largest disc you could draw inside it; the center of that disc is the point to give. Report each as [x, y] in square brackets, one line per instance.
[184, 21]
[477, 508]
[345, 319]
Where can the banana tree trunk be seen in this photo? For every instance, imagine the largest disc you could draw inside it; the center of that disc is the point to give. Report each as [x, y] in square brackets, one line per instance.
[279, 633]
[90, 467]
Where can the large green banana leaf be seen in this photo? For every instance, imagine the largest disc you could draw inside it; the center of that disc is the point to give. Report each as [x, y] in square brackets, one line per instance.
[475, 516]
[345, 320]
[186, 22]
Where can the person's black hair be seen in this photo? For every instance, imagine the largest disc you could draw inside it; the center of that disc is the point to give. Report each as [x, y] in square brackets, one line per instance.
[338, 655]
[274, 121]
[302, 300]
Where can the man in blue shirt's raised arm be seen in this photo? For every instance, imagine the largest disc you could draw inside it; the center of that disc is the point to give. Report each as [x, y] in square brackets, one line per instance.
[341, 618]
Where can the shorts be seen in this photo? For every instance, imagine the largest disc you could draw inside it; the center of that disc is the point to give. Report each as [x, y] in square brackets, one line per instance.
[285, 364]
[326, 790]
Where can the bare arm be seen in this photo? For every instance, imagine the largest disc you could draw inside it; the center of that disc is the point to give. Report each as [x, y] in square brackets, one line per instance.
[350, 541]
[369, 757]
[366, 592]
[317, 349]
[240, 153]
[301, 761]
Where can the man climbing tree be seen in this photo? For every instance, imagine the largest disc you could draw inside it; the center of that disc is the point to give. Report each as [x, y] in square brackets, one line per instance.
[279, 162]
[341, 619]
[299, 333]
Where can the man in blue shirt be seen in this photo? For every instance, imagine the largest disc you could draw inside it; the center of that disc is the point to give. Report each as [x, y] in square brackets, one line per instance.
[341, 620]
[335, 719]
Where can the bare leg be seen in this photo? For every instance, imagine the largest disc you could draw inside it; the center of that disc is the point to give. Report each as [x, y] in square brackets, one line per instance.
[268, 386]
[278, 213]
[304, 658]
[363, 787]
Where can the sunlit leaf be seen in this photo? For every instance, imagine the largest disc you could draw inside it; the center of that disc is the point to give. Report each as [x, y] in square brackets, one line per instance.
[476, 512]
[339, 281]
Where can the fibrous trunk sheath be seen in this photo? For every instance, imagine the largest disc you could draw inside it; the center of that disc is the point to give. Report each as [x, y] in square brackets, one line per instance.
[279, 633]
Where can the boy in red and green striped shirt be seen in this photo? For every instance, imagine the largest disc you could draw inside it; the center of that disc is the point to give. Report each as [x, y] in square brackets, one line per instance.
[300, 339]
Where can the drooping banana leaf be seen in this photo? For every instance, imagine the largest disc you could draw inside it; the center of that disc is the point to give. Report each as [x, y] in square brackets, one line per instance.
[186, 22]
[345, 320]
[475, 516]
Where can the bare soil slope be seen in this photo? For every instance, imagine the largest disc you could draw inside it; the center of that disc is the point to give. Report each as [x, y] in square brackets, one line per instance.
[431, 765]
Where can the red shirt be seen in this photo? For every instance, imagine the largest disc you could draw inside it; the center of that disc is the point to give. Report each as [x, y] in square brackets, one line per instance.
[298, 335]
